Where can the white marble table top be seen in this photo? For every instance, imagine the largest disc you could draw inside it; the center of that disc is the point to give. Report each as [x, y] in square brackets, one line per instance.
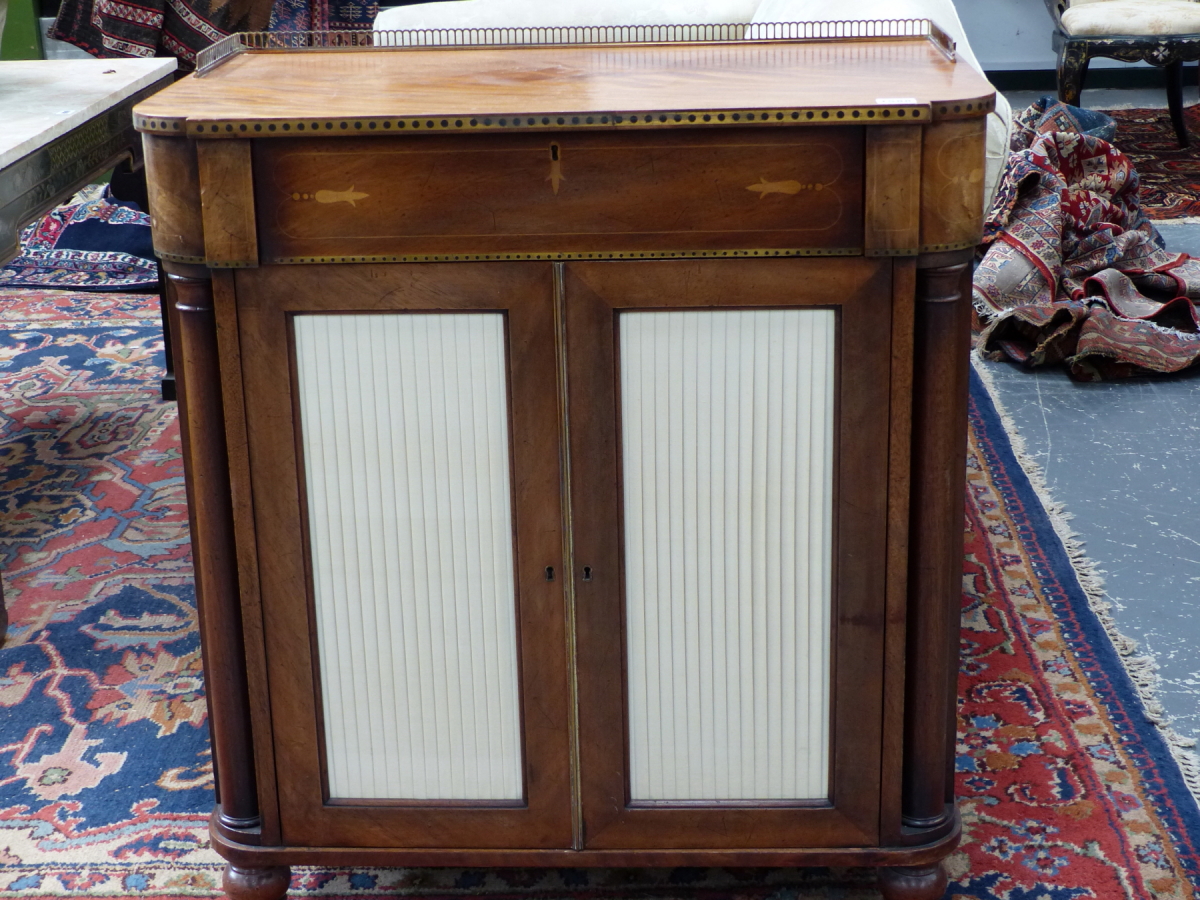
[42, 99]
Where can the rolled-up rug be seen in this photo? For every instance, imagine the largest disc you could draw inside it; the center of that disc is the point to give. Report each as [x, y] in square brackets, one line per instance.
[1071, 270]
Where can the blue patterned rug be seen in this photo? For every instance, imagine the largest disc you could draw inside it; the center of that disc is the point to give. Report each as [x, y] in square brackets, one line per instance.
[105, 775]
[92, 243]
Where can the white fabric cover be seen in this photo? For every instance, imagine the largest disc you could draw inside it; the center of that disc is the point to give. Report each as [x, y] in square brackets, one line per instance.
[524, 13]
[1140, 17]
[529, 13]
[943, 13]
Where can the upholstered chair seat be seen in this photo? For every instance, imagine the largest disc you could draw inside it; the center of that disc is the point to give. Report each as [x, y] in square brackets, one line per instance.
[1140, 17]
[1162, 32]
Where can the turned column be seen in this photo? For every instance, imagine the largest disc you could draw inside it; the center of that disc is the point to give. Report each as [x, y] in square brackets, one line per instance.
[940, 373]
[939, 427]
[211, 514]
[210, 509]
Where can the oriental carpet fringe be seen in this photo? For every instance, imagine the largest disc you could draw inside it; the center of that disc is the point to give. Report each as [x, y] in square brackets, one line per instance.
[1068, 791]
[1141, 668]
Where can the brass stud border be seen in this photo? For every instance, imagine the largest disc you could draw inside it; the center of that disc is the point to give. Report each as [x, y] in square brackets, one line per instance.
[158, 126]
[956, 245]
[964, 109]
[556, 257]
[180, 258]
[539, 122]
[327, 127]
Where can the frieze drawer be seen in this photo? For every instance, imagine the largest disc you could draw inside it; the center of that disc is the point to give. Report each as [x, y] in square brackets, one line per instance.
[389, 198]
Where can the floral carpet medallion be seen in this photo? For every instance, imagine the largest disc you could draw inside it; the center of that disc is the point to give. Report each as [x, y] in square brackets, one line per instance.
[105, 776]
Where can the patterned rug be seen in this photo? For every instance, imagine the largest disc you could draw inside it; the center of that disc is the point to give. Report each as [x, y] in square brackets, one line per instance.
[1170, 176]
[112, 29]
[93, 242]
[105, 778]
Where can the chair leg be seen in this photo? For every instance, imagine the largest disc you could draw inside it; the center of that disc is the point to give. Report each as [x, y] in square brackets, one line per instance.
[1073, 58]
[1175, 100]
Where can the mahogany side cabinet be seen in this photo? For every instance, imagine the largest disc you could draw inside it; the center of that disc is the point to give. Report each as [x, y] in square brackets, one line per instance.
[574, 431]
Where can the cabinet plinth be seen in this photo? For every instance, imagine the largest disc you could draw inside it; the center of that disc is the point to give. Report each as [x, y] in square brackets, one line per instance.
[576, 487]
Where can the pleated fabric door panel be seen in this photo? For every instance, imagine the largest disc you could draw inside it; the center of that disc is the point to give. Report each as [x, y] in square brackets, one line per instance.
[410, 530]
[729, 478]
[415, 628]
[727, 486]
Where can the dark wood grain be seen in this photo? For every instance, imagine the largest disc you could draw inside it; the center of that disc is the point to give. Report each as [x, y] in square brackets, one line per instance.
[211, 517]
[904, 282]
[917, 854]
[563, 192]
[241, 492]
[860, 291]
[913, 882]
[935, 557]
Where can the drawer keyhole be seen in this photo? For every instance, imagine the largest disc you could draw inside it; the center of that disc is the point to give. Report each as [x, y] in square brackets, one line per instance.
[556, 177]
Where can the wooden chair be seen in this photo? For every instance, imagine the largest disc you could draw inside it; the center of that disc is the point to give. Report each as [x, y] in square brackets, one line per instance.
[1164, 33]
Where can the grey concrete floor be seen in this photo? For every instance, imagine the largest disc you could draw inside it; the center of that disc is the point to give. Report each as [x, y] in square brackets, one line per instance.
[1124, 459]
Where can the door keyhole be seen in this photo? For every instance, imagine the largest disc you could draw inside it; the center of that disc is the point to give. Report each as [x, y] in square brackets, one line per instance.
[549, 573]
[587, 573]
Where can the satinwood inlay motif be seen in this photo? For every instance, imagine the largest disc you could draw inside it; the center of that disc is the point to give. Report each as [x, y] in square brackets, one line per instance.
[765, 187]
[326, 196]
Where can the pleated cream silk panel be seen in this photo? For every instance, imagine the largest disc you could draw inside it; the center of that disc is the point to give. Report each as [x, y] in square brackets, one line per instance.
[727, 470]
[404, 419]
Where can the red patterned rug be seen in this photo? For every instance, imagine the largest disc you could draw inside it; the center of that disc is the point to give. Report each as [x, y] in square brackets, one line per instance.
[105, 779]
[1170, 177]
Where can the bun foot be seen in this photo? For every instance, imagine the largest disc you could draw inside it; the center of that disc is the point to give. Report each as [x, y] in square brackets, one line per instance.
[912, 882]
[267, 883]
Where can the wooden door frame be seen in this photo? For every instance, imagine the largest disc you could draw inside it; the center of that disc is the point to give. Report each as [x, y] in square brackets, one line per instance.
[268, 299]
[859, 289]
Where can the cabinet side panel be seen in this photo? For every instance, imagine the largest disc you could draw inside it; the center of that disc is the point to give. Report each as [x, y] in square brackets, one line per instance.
[727, 470]
[404, 419]
[173, 189]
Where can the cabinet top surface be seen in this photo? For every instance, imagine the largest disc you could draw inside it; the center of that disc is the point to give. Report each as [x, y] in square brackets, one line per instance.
[278, 93]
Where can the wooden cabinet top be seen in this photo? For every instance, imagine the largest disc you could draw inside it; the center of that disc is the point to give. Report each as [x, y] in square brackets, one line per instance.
[373, 90]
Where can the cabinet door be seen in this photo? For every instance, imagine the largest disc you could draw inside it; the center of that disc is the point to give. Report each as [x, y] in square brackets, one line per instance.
[729, 476]
[404, 450]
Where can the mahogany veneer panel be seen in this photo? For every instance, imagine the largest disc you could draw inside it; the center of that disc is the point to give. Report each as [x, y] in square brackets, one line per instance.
[564, 192]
